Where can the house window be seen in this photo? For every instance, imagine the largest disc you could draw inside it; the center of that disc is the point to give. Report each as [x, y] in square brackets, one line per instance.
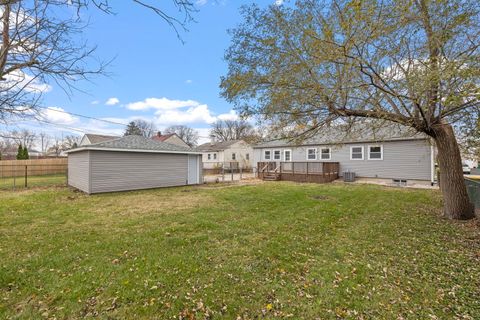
[247, 156]
[325, 153]
[234, 156]
[375, 152]
[277, 155]
[267, 155]
[209, 156]
[214, 156]
[356, 153]
[288, 155]
[312, 154]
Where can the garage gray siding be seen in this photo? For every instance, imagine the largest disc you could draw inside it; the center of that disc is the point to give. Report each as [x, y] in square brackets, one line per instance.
[120, 171]
[407, 159]
[78, 170]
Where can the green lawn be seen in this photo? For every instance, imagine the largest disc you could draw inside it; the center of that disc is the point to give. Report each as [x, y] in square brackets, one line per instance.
[11, 183]
[267, 250]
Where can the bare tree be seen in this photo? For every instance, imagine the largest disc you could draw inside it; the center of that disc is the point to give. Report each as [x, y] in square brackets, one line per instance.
[187, 134]
[226, 130]
[24, 137]
[70, 142]
[414, 63]
[56, 147]
[45, 141]
[38, 48]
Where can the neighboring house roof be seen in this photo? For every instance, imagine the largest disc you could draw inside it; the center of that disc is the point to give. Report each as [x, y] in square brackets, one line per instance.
[163, 137]
[217, 146]
[97, 138]
[356, 134]
[170, 138]
[135, 143]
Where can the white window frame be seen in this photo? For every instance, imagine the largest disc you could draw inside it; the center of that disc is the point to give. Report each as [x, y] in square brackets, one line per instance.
[363, 152]
[209, 156]
[316, 154]
[285, 152]
[234, 156]
[265, 154]
[381, 151]
[215, 156]
[279, 155]
[329, 153]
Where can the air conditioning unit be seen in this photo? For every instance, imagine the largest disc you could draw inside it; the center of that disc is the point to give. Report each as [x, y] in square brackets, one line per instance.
[349, 176]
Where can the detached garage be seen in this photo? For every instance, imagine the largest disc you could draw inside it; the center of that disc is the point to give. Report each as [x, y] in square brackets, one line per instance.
[132, 163]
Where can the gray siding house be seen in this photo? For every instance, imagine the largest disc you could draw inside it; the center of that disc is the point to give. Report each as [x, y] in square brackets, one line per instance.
[387, 153]
[131, 163]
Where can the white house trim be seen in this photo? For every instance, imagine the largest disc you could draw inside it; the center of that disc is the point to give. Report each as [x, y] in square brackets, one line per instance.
[284, 155]
[375, 145]
[363, 152]
[316, 154]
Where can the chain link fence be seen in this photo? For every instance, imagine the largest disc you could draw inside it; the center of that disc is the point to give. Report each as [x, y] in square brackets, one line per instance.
[226, 172]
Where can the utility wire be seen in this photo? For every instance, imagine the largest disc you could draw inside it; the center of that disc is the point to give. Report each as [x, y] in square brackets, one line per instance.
[84, 116]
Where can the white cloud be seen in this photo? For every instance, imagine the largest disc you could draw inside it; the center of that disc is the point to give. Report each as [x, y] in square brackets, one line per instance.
[161, 104]
[57, 115]
[95, 102]
[171, 112]
[278, 2]
[112, 101]
[201, 2]
[195, 114]
[232, 115]
[21, 80]
[188, 81]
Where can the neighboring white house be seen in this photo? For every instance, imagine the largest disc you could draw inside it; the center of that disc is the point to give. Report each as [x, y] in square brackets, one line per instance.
[90, 138]
[218, 154]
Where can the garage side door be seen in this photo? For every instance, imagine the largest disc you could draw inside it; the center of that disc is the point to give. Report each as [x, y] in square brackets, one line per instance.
[193, 174]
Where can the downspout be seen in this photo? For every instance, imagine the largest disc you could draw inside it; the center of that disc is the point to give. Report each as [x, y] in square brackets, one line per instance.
[432, 164]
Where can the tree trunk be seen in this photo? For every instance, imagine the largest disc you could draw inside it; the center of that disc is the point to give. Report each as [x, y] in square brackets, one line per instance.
[456, 202]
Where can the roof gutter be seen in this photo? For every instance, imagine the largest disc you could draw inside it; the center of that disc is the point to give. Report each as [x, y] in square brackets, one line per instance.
[337, 143]
[129, 150]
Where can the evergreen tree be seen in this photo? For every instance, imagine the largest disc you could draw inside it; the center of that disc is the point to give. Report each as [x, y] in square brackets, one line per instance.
[26, 156]
[132, 129]
[20, 152]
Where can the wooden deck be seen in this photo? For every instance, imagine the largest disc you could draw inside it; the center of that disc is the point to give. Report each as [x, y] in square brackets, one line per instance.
[311, 171]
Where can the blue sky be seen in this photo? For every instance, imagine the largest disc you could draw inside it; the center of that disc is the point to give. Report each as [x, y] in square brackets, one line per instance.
[154, 76]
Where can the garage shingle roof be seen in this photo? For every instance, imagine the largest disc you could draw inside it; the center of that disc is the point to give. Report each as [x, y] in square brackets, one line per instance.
[135, 143]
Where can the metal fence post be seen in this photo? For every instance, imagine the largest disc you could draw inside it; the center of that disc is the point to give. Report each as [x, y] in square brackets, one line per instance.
[26, 169]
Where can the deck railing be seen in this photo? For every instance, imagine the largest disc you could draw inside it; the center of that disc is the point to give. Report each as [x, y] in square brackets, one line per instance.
[308, 171]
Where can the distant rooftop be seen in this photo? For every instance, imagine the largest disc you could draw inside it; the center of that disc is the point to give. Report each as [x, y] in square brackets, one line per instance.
[216, 146]
[162, 137]
[97, 138]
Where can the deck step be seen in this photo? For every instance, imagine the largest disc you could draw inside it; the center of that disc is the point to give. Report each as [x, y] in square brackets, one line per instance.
[271, 177]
